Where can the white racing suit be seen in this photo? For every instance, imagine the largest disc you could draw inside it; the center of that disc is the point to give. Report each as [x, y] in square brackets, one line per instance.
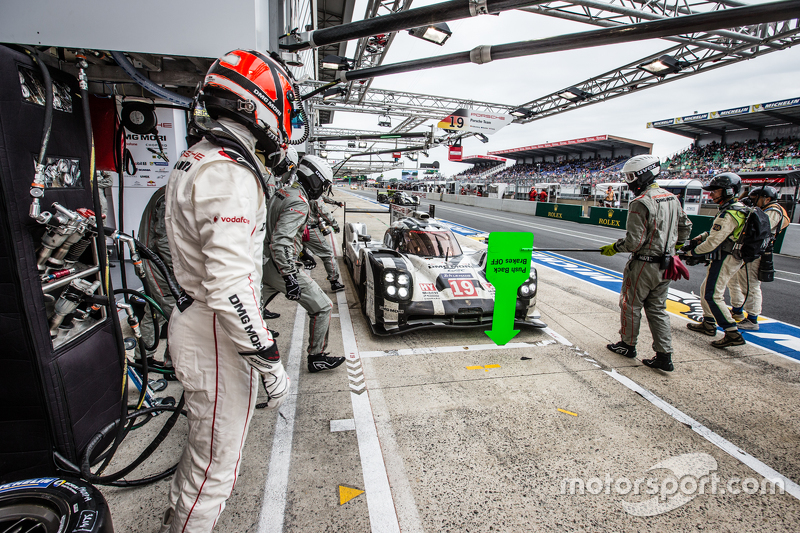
[744, 286]
[287, 215]
[215, 217]
[321, 245]
[725, 229]
[656, 222]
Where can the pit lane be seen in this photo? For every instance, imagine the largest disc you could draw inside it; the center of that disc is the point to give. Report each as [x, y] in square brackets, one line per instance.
[450, 435]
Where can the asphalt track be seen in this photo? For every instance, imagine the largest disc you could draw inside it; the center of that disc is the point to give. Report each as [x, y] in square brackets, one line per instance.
[780, 298]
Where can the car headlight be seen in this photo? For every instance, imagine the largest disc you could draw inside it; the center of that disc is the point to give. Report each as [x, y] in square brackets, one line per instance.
[527, 289]
[397, 284]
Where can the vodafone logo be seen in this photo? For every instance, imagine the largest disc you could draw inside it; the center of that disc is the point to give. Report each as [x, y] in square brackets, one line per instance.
[236, 220]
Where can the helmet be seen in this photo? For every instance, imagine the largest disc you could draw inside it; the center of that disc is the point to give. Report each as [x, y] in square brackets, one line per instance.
[640, 171]
[729, 182]
[765, 191]
[289, 162]
[315, 175]
[256, 91]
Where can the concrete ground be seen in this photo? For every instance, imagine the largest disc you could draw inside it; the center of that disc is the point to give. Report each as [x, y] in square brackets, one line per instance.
[553, 432]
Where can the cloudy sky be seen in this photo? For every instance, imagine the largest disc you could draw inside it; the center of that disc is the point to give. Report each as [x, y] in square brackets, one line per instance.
[767, 78]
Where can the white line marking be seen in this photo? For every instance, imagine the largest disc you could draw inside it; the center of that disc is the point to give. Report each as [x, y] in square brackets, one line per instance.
[789, 280]
[542, 227]
[273, 503]
[447, 349]
[348, 424]
[382, 514]
[718, 441]
[560, 339]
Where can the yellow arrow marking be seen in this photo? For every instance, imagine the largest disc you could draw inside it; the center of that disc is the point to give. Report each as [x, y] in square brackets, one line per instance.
[348, 493]
[484, 368]
[568, 412]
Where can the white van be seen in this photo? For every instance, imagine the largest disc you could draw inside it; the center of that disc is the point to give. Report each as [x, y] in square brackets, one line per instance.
[689, 192]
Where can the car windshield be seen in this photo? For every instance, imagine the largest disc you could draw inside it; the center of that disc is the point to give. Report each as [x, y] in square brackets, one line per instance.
[430, 243]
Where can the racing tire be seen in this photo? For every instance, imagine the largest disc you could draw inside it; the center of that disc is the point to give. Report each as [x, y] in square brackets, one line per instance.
[53, 505]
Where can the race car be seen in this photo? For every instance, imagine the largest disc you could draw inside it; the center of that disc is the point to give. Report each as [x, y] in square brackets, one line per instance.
[403, 198]
[383, 198]
[420, 277]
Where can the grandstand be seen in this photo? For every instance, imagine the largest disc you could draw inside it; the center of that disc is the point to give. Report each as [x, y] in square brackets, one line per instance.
[482, 166]
[761, 136]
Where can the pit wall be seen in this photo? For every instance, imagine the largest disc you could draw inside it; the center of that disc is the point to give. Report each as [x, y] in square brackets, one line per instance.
[788, 243]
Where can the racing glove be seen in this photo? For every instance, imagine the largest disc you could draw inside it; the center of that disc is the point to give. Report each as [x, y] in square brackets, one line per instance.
[337, 229]
[273, 377]
[608, 250]
[292, 287]
[309, 263]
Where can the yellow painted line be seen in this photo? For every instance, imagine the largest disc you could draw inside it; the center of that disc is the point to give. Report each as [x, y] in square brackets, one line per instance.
[568, 412]
[484, 368]
[348, 493]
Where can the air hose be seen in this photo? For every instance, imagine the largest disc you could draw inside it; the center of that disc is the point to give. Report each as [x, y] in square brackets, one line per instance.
[157, 90]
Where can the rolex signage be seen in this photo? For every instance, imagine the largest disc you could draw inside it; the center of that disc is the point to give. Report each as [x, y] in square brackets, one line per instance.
[612, 218]
[559, 211]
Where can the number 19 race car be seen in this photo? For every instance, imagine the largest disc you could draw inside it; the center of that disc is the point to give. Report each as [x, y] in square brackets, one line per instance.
[419, 277]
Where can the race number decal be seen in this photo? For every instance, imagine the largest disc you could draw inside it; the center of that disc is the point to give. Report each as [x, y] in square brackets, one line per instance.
[462, 287]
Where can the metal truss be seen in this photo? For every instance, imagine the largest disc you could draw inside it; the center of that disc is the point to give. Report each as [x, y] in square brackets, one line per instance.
[702, 52]
[371, 51]
[418, 107]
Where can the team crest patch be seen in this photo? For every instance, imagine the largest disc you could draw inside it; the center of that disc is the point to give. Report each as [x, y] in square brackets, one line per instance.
[717, 227]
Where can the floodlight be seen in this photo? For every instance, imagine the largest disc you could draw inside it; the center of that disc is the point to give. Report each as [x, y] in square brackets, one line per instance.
[323, 154]
[573, 94]
[663, 65]
[521, 112]
[482, 138]
[335, 63]
[433, 33]
[335, 92]
[385, 121]
[362, 144]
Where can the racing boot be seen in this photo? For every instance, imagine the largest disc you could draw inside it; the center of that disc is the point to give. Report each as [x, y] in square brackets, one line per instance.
[731, 338]
[623, 349]
[269, 315]
[737, 313]
[322, 361]
[750, 323]
[274, 333]
[662, 361]
[336, 286]
[707, 327]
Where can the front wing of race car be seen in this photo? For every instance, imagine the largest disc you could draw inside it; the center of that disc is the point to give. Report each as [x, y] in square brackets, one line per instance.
[401, 292]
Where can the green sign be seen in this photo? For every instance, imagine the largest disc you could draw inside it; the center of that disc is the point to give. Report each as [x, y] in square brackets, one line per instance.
[559, 211]
[606, 216]
[508, 265]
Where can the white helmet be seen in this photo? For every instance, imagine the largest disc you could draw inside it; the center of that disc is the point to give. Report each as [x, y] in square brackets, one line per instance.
[315, 175]
[640, 171]
[288, 163]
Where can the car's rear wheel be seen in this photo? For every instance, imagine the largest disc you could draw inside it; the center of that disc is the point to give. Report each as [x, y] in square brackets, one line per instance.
[53, 505]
